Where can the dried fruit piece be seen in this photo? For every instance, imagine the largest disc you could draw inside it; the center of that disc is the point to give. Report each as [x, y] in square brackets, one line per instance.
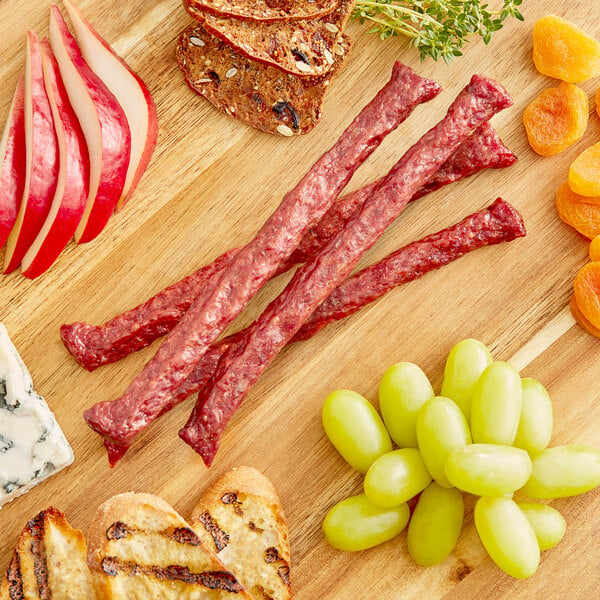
[579, 212]
[584, 174]
[581, 320]
[564, 51]
[556, 119]
[587, 293]
[595, 249]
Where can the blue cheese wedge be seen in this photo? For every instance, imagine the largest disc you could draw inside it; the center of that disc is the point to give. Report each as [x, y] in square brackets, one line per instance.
[32, 445]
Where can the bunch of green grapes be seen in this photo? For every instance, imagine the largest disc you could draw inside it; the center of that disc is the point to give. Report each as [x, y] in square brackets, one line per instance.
[487, 435]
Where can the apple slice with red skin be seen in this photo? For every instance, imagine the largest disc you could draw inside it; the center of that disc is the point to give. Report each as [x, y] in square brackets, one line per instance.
[12, 167]
[41, 161]
[73, 176]
[130, 91]
[104, 125]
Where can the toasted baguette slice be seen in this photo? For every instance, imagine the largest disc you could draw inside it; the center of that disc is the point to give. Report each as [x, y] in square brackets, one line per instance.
[141, 549]
[48, 562]
[242, 519]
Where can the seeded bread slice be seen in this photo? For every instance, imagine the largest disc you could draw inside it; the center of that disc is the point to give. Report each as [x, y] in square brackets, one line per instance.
[242, 520]
[48, 562]
[141, 549]
[260, 95]
[267, 10]
[303, 48]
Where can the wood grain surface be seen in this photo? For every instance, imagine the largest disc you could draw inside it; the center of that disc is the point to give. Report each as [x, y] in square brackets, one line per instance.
[211, 184]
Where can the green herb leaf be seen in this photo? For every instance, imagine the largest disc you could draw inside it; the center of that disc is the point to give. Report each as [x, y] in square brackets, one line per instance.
[437, 28]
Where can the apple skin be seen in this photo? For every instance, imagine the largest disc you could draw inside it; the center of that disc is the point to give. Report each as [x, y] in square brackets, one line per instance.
[73, 178]
[104, 125]
[12, 154]
[41, 160]
[130, 91]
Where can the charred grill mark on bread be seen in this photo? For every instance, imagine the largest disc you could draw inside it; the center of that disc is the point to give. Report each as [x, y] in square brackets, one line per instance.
[272, 556]
[38, 550]
[182, 535]
[230, 498]
[220, 537]
[117, 531]
[284, 573]
[214, 580]
[15, 580]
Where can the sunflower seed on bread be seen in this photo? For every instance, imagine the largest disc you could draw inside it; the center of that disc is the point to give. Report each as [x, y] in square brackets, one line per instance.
[260, 95]
[267, 10]
[48, 562]
[242, 520]
[140, 548]
[303, 48]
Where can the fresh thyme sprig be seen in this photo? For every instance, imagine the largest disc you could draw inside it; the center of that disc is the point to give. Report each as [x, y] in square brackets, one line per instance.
[437, 28]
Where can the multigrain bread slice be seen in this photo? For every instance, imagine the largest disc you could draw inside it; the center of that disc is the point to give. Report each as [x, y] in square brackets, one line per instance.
[260, 95]
[267, 10]
[141, 549]
[242, 519]
[48, 562]
[303, 48]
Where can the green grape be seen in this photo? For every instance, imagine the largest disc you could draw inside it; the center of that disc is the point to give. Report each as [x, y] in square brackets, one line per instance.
[563, 471]
[465, 364]
[396, 477]
[535, 424]
[355, 524]
[507, 536]
[435, 525]
[403, 389]
[355, 429]
[496, 405]
[441, 429]
[488, 469]
[548, 524]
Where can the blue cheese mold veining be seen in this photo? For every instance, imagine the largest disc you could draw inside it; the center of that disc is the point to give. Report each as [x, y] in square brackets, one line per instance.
[32, 444]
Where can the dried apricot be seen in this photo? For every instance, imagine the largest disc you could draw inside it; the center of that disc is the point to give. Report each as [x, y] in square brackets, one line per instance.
[587, 292]
[578, 316]
[556, 119]
[584, 173]
[578, 211]
[595, 249]
[564, 51]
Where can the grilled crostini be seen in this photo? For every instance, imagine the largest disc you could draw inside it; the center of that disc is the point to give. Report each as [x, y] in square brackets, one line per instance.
[48, 562]
[141, 549]
[241, 518]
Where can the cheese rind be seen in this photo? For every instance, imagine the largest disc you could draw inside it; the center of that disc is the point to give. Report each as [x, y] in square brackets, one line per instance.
[32, 445]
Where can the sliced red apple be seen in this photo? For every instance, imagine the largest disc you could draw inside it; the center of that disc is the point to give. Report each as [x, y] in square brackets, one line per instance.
[104, 125]
[41, 160]
[73, 176]
[12, 167]
[130, 91]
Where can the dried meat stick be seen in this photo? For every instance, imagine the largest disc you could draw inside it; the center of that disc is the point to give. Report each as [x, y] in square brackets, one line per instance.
[259, 260]
[240, 367]
[498, 223]
[97, 345]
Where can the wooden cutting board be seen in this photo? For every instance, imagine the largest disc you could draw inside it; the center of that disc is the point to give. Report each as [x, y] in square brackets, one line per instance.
[210, 186]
